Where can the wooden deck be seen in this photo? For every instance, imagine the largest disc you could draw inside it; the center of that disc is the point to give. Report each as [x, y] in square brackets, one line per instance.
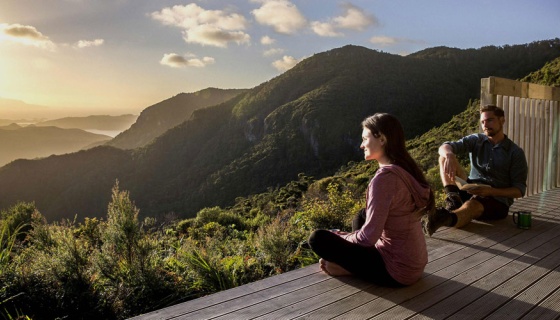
[490, 271]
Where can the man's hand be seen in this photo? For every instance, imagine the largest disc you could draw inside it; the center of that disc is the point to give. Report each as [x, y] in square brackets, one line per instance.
[448, 163]
[482, 191]
[511, 192]
[449, 166]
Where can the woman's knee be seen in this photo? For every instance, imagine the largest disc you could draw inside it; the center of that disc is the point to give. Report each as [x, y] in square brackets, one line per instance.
[317, 236]
[325, 243]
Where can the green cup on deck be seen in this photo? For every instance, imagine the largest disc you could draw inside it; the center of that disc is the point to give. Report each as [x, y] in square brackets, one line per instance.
[522, 219]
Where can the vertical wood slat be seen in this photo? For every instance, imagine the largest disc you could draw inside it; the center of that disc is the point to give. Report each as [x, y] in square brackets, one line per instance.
[551, 172]
[533, 122]
[529, 151]
[503, 102]
[533, 142]
[518, 133]
[540, 163]
[547, 149]
[556, 142]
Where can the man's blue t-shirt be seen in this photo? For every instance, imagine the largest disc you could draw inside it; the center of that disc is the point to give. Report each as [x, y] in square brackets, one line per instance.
[502, 165]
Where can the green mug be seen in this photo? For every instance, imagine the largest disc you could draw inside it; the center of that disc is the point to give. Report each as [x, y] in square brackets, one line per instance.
[522, 219]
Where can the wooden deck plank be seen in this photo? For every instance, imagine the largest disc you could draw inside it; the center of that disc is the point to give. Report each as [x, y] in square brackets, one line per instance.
[332, 287]
[487, 276]
[317, 301]
[484, 270]
[447, 245]
[499, 269]
[548, 309]
[255, 297]
[529, 298]
[348, 303]
[449, 287]
[489, 302]
[231, 294]
[468, 257]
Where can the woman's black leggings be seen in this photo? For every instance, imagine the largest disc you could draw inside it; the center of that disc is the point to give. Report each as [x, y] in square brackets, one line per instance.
[364, 262]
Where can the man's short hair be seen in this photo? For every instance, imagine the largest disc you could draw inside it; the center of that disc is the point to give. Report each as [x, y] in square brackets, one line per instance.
[498, 112]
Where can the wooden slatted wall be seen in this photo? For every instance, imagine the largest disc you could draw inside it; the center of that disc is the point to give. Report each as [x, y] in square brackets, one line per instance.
[533, 122]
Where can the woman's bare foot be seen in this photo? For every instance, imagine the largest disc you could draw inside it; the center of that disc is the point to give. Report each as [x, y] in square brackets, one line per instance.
[333, 269]
[322, 263]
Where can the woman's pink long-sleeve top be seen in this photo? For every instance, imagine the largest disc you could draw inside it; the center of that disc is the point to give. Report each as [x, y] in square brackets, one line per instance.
[393, 196]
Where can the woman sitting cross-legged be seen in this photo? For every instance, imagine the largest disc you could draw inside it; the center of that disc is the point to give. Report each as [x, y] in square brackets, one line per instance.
[386, 245]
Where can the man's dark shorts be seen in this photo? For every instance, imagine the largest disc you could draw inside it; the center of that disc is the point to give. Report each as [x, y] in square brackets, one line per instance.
[493, 209]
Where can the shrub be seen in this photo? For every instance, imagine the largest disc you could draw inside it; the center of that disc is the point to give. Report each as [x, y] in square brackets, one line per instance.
[210, 274]
[214, 264]
[131, 273]
[334, 212]
[20, 217]
[278, 244]
[8, 238]
[90, 231]
[220, 216]
[53, 274]
[7, 242]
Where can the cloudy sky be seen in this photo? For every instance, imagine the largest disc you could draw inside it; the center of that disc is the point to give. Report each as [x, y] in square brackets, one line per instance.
[121, 56]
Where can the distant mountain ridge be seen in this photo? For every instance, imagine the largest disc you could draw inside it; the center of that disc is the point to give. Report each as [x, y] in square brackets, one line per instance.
[97, 122]
[12, 126]
[17, 142]
[5, 122]
[17, 109]
[306, 120]
[160, 117]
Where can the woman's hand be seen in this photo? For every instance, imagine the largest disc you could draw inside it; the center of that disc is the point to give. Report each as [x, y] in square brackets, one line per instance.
[337, 231]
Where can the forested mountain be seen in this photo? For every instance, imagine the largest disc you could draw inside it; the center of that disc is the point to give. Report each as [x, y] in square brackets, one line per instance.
[96, 122]
[162, 116]
[306, 120]
[17, 142]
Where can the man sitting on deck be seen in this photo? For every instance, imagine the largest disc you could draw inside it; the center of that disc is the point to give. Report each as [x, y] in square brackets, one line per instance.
[496, 161]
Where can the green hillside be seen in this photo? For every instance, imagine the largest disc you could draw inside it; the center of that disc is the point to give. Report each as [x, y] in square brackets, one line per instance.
[549, 75]
[305, 121]
[160, 117]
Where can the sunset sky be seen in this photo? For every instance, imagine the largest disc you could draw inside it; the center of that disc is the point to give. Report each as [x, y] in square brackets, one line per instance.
[81, 57]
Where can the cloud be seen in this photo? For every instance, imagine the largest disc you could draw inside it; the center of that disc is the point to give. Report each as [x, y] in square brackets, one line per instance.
[266, 40]
[26, 35]
[86, 43]
[285, 64]
[205, 27]
[354, 18]
[273, 52]
[282, 15]
[325, 29]
[214, 36]
[385, 41]
[177, 61]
